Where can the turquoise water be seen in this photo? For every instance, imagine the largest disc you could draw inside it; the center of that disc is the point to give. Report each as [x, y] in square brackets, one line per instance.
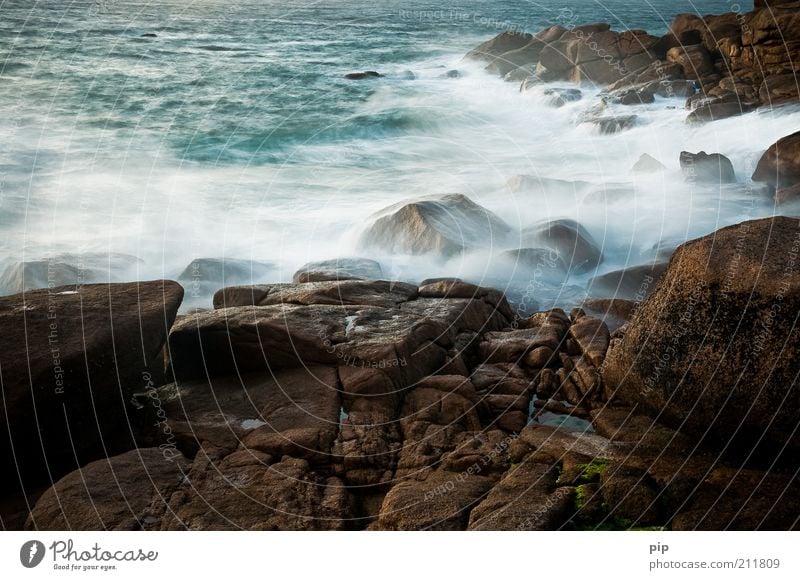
[232, 131]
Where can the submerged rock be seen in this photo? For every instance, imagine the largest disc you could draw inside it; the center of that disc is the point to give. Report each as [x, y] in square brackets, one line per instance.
[648, 164]
[703, 167]
[339, 269]
[443, 225]
[218, 272]
[358, 76]
[631, 283]
[570, 240]
[560, 97]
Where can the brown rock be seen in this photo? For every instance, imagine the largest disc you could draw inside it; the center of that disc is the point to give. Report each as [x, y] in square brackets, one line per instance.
[71, 360]
[711, 348]
[632, 283]
[779, 166]
[126, 492]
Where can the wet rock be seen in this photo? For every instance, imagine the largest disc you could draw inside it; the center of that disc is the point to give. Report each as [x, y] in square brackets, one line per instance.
[779, 166]
[67, 270]
[341, 293]
[535, 263]
[358, 76]
[613, 124]
[694, 59]
[631, 283]
[338, 269]
[569, 239]
[217, 272]
[502, 43]
[440, 225]
[559, 97]
[648, 164]
[592, 337]
[703, 167]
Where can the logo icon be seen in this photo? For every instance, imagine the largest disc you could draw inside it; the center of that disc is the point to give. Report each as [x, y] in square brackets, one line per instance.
[31, 553]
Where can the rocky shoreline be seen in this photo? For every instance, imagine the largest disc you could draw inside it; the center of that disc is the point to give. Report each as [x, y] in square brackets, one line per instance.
[669, 399]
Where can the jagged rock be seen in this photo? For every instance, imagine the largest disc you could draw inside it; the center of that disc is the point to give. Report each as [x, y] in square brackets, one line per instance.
[613, 124]
[724, 312]
[703, 167]
[443, 225]
[694, 59]
[502, 43]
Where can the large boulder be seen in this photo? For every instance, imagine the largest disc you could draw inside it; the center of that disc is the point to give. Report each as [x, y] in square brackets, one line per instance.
[714, 348]
[504, 42]
[444, 225]
[779, 166]
[218, 272]
[70, 362]
[570, 240]
[126, 492]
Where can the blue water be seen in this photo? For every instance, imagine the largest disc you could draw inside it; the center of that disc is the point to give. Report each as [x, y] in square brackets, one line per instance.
[232, 132]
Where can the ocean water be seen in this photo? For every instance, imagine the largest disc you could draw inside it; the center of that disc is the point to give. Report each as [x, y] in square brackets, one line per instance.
[233, 134]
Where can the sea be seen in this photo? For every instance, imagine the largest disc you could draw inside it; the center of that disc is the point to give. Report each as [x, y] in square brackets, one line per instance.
[176, 130]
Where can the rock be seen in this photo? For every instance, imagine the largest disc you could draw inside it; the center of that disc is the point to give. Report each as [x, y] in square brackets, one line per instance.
[126, 492]
[640, 96]
[451, 74]
[358, 76]
[148, 35]
[613, 311]
[443, 225]
[714, 111]
[504, 42]
[94, 347]
[778, 89]
[247, 491]
[707, 168]
[788, 195]
[525, 499]
[536, 263]
[560, 97]
[570, 240]
[592, 337]
[712, 348]
[648, 164]
[442, 502]
[779, 166]
[514, 59]
[631, 283]
[613, 124]
[218, 272]
[407, 339]
[339, 269]
[694, 59]
[67, 270]
[345, 292]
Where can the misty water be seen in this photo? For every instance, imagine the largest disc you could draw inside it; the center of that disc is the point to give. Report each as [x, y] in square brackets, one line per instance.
[233, 134]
